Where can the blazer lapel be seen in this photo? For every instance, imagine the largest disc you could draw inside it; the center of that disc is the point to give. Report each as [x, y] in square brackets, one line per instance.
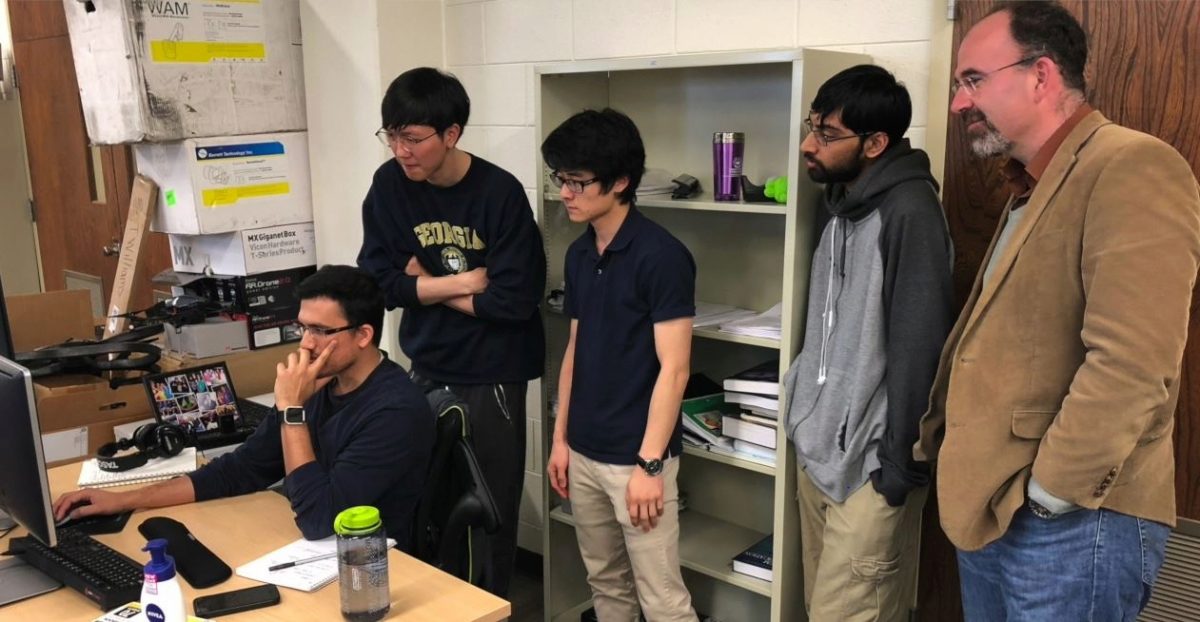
[1043, 194]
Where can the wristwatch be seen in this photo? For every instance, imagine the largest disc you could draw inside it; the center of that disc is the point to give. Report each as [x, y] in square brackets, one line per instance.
[293, 415]
[1040, 510]
[651, 467]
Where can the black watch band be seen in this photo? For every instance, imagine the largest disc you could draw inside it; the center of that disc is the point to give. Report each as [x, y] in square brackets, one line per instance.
[652, 467]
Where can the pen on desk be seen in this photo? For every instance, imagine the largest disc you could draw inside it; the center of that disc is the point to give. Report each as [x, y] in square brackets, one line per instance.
[301, 561]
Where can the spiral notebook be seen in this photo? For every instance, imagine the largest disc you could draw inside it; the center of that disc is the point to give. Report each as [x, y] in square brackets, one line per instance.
[90, 476]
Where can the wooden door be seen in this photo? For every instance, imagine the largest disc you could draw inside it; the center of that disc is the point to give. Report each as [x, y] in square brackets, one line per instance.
[1144, 73]
[80, 192]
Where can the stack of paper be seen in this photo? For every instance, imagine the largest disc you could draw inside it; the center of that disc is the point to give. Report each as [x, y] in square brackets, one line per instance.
[767, 324]
[304, 577]
[90, 475]
[713, 314]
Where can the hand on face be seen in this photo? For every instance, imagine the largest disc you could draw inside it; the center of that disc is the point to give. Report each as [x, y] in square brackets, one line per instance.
[299, 377]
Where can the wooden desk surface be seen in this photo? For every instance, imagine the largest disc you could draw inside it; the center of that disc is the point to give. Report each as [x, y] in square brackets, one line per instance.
[241, 529]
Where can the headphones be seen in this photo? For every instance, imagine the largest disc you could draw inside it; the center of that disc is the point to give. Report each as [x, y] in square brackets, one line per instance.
[152, 440]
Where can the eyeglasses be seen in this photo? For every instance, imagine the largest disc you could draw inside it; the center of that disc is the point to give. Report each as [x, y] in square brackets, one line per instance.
[574, 185]
[824, 139]
[317, 331]
[391, 139]
[972, 81]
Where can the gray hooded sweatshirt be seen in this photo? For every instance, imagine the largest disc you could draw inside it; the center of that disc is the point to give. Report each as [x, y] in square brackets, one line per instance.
[879, 308]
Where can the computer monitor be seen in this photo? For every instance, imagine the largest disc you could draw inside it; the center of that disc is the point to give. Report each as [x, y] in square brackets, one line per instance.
[6, 345]
[24, 487]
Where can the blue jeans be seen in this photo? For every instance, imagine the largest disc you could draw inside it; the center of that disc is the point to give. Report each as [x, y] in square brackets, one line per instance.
[1088, 565]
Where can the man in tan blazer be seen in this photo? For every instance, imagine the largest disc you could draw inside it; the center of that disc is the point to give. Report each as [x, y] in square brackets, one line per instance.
[1052, 410]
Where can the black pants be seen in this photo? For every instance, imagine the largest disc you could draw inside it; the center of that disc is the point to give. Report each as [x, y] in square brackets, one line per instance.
[497, 417]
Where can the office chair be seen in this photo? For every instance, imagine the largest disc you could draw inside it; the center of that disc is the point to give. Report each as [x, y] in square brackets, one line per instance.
[457, 508]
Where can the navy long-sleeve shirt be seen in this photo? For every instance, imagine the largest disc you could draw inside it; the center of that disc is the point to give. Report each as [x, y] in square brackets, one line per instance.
[372, 447]
[482, 221]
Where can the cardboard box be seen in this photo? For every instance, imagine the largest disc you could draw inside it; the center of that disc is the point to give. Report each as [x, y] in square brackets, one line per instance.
[252, 373]
[62, 446]
[266, 301]
[161, 70]
[243, 253]
[219, 185]
[214, 337]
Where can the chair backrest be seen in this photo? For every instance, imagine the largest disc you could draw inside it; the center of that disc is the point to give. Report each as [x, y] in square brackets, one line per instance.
[457, 504]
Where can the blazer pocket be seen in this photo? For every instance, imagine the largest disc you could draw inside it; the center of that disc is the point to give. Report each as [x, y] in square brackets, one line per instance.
[1032, 424]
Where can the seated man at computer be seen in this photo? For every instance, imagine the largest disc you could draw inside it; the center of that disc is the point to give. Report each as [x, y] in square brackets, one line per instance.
[349, 427]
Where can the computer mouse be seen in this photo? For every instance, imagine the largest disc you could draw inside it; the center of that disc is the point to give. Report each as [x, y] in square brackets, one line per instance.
[74, 506]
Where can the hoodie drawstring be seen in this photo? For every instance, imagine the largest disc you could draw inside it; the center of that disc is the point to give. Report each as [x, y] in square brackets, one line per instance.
[827, 316]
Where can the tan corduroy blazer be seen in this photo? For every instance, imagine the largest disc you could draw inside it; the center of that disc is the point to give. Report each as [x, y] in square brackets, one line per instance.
[1067, 361]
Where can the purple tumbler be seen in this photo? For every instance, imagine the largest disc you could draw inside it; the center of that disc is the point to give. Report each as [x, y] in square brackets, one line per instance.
[727, 165]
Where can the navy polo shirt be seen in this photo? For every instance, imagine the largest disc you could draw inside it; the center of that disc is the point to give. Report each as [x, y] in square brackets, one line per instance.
[645, 276]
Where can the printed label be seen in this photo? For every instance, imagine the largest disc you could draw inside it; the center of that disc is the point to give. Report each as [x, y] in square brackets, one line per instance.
[205, 31]
[263, 246]
[233, 173]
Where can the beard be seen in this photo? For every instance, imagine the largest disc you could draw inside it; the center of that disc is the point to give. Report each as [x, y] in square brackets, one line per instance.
[836, 173]
[989, 143]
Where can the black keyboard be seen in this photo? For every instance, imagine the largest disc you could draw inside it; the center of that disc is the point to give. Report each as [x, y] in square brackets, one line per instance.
[253, 413]
[87, 566]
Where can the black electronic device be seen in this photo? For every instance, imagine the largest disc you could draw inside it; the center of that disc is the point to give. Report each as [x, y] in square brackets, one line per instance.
[6, 344]
[236, 601]
[98, 572]
[196, 563]
[202, 400]
[152, 440]
[96, 523]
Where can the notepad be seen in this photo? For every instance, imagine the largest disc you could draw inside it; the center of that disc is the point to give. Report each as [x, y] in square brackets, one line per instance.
[90, 476]
[305, 577]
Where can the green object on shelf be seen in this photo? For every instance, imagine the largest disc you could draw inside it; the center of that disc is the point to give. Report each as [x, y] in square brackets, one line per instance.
[777, 188]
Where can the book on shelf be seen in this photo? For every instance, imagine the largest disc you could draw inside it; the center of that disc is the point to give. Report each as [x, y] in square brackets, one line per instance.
[756, 561]
[761, 412]
[750, 399]
[706, 425]
[762, 379]
[770, 422]
[738, 428]
[91, 476]
[732, 451]
[754, 449]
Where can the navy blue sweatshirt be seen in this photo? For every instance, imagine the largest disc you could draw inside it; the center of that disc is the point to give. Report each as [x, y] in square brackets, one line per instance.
[483, 220]
[372, 447]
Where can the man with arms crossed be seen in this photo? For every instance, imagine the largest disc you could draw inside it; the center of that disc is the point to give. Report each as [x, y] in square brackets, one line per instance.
[349, 427]
[1055, 398]
[630, 294]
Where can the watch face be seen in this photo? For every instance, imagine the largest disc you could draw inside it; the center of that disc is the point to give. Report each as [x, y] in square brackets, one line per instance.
[652, 467]
[293, 415]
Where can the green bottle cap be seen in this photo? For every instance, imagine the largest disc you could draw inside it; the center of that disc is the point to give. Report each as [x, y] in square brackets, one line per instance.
[356, 521]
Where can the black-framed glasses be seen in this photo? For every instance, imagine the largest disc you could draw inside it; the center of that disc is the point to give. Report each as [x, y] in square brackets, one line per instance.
[574, 185]
[824, 139]
[971, 81]
[319, 331]
[391, 139]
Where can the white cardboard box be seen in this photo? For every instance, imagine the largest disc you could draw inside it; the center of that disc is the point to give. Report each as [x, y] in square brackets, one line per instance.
[162, 70]
[243, 253]
[219, 185]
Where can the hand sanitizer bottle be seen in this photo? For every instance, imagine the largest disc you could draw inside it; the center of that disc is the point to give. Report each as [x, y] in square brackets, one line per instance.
[162, 600]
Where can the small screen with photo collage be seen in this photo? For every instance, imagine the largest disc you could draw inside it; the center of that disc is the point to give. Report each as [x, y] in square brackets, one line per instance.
[194, 399]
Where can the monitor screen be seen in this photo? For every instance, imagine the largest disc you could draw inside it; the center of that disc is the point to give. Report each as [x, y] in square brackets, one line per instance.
[24, 488]
[195, 398]
[6, 345]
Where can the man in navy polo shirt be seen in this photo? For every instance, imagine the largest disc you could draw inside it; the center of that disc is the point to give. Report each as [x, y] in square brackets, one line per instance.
[630, 294]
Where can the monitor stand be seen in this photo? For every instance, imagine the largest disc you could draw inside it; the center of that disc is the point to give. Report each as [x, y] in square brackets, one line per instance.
[19, 581]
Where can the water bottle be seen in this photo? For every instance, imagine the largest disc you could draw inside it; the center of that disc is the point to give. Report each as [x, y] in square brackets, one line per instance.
[362, 564]
[728, 148]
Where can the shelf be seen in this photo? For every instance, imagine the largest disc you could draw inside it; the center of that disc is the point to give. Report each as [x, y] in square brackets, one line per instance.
[572, 614]
[708, 332]
[707, 545]
[749, 465]
[711, 332]
[702, 203]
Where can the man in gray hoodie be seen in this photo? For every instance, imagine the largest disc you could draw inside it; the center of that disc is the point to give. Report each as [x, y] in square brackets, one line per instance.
[880, 306]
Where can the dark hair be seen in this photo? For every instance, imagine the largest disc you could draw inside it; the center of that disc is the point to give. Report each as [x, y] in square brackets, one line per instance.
[1047, 29]
[605, 142]
[353, 289]
[425, 96]
[869, 99]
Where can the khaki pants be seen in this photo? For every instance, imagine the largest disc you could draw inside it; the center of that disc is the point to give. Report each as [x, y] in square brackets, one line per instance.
[860, 557]
[626, 567]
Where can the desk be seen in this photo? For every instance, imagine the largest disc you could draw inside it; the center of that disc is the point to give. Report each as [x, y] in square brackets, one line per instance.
[240, 529]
